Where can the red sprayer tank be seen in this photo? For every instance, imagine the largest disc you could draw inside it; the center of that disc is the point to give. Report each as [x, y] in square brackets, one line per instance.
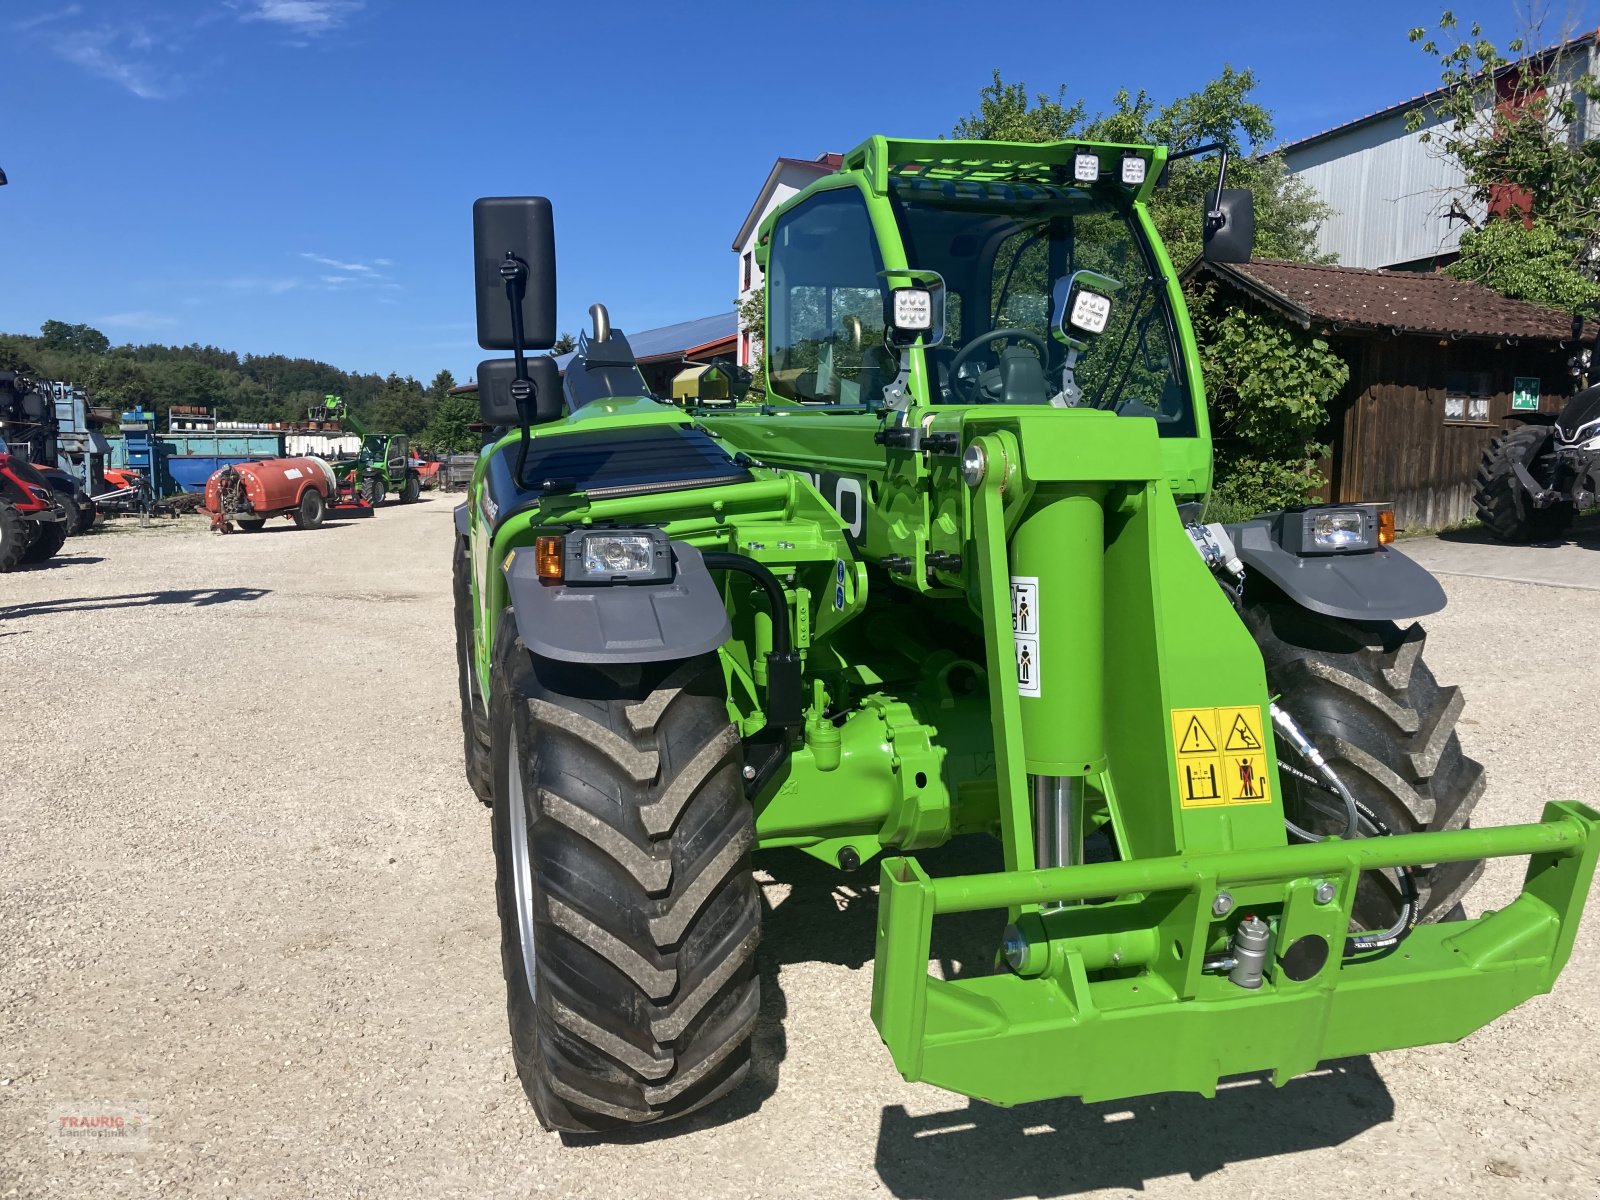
[246, 494]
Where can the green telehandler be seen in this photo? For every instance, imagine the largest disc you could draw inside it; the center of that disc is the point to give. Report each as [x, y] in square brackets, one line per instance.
[383, 464]
[947, 576]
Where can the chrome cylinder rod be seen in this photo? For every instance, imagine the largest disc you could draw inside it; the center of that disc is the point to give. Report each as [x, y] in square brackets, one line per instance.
[1057, 820]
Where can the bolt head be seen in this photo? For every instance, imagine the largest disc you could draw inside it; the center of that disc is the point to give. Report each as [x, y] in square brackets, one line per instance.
[1325, 892]
[1222, 905]
[974, 465]
[1015, 948]
[749, 772]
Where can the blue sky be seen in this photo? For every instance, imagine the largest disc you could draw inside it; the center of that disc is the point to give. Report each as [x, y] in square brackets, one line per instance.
[296, 176]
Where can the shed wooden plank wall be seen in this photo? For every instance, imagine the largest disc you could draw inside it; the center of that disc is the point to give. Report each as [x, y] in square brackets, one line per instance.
[1390, 439]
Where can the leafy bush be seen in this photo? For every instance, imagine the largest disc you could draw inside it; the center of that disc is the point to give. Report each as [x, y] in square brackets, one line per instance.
[1268, 388]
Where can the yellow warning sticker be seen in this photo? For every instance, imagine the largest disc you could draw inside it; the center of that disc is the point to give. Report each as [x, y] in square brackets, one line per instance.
[1221, 756]
[1241, 729]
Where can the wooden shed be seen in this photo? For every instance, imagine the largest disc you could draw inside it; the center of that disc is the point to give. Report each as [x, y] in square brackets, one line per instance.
[1436, 364]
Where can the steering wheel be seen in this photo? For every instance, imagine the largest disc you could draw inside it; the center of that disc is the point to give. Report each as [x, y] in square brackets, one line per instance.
[967, 392]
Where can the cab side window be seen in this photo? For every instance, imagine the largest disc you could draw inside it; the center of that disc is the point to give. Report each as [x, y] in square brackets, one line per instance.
[825, 304]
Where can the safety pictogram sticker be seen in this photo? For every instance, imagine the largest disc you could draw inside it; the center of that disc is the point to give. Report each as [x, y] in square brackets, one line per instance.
[1025, 630]
[1221, 756]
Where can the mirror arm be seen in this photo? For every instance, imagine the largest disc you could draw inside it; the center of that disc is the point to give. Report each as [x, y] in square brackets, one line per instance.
[1214, 219]
[515, 272]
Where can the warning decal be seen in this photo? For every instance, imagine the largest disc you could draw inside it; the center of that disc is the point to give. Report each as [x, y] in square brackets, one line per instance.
[1221, 756]
[1241, 735]
[1196, 739]
[1025, 631]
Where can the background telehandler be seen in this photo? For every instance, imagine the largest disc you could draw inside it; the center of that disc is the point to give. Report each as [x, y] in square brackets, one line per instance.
[946, 577]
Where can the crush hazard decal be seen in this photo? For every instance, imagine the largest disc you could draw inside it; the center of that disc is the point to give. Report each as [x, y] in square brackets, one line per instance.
[1221, 756]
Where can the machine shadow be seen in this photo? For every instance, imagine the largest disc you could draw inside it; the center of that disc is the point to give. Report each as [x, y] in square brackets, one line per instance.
[65, 559]
[1065, 1147]
[195, 597]
[1585, 533]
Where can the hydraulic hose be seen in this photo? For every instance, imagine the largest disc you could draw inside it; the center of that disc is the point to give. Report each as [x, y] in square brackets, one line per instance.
[717, 560]
[1379, 940]
[785, 701]
[1297, 738]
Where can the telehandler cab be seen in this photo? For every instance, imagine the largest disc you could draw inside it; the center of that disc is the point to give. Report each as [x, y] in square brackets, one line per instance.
[945, 576]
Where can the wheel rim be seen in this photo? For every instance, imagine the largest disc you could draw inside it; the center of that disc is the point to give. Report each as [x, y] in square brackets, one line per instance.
[521, 868]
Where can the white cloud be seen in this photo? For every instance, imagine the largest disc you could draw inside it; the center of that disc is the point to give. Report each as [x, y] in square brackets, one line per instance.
[308, 17]
[112, 54]
[383, 262]
[60, 14]
[336, 264]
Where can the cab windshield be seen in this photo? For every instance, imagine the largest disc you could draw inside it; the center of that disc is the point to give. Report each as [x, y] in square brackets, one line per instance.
[1001, 249]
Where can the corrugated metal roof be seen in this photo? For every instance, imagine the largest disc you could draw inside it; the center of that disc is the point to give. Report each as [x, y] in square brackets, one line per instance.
[1352, 298]
[669, 341]
[1419, 100]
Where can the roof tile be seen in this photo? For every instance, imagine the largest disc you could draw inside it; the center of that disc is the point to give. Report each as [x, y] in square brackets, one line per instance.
[1401, 301]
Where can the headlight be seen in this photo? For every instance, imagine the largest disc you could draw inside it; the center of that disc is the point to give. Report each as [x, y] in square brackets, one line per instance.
[1085, 167]
[1090, 311]
[913, 310]
[1329, 530]
[1337, 530]
[1133, 169]
[617, 556]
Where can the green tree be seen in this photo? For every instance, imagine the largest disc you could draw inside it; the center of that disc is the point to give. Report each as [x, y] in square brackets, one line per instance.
[1268, 387]
[565, 344]
[117, 383]
[449, 428]
[16, 354]
[1507, 118]
[1006, 115]
[1527, 261]
[441, 386]
[752, 314]
[73, 339]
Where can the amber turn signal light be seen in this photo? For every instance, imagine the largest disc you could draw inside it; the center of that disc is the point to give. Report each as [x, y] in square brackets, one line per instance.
[1385, 526]
[547, 552]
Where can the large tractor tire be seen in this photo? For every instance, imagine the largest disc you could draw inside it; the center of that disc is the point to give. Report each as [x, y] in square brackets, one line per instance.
[411, 489]
[474, 720]
[250, 524]
[1362, 694]
[45, 541]
[1503, 504]
[372, 490]
[629, 917]
[15, 537]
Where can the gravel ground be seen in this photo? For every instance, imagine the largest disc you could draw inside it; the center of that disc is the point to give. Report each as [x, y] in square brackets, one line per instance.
[246, 901]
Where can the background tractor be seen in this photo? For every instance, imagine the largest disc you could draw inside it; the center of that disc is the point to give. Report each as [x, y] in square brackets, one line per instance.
[33, 520]
[383, 465]
[1535, 479]
[946, 577]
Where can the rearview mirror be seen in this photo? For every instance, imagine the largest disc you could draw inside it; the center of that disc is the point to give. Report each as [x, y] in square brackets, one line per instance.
[497, 402]
[514, 241]
[1230, 226]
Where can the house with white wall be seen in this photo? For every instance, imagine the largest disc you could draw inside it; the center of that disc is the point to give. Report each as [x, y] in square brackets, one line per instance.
[787, 177]
[1397, 200]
